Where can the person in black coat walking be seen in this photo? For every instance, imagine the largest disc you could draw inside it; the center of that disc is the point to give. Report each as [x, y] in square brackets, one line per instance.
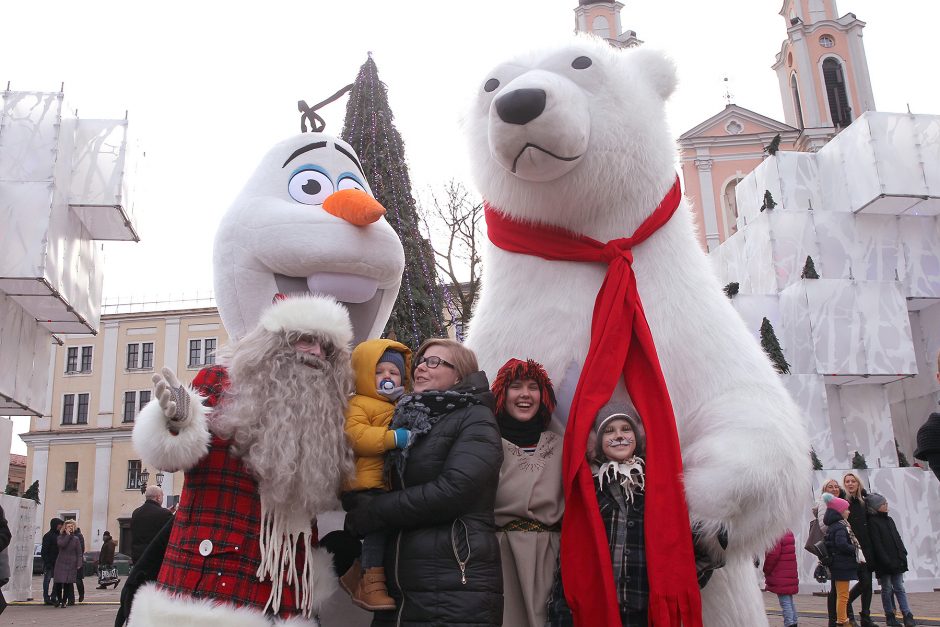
[889, 560]
[147, 520]
[80, 574]
[928, 442]
[858, 519]
[843, 549]
[49, 553]
[442, 555]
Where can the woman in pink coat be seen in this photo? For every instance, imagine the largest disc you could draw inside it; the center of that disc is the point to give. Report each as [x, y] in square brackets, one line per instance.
[781, 576]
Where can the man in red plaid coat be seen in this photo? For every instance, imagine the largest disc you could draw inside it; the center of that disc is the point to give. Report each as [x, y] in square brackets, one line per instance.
[264, 451]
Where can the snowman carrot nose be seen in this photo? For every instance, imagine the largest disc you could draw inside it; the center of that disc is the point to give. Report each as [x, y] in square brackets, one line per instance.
[355, 206]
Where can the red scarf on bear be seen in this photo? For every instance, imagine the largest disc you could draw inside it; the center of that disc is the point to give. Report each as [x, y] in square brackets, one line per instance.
[621, 345]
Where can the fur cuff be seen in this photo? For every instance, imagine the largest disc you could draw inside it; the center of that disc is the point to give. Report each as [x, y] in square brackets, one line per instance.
[161, 449]
[317, 315]
[325, 582]
[153, 607]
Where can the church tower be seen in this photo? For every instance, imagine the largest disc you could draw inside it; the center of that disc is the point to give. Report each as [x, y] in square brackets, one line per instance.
[603, 19]
[823, 71]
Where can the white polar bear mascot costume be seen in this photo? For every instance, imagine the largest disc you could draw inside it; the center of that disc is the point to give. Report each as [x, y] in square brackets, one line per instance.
[571, 151]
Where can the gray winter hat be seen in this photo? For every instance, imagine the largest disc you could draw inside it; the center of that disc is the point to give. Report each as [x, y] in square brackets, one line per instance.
[613, 411]
[875, 501]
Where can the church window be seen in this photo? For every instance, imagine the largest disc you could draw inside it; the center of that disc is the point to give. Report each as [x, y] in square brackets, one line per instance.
[734, 127]
[730, 206]
[601, 27]
[797, 106]
[834, 77]
[826, 41]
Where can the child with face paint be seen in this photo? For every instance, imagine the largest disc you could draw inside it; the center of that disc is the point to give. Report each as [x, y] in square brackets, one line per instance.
[616, 455]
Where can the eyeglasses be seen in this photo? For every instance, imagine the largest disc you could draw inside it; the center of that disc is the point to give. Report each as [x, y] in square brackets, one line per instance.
[433, 362]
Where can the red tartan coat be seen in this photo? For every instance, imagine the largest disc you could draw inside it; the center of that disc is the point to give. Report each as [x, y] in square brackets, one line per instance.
[214, 551]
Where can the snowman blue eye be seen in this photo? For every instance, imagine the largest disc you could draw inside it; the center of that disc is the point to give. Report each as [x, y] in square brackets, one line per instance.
[348, 180]
[309, 185]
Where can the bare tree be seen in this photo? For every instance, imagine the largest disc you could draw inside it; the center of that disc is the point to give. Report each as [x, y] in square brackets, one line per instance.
[453, 219]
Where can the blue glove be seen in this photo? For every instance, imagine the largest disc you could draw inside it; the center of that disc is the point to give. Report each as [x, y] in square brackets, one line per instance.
[401, 437]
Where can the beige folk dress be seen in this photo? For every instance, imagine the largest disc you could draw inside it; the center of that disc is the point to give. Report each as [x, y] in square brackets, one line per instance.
[529, 507]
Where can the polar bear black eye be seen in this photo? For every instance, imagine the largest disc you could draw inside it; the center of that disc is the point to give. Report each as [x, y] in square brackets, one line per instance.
[490, 85]
[581, 63]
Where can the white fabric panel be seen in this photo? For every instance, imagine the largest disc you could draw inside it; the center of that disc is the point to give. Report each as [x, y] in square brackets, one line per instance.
[836, 327]
[898, 160]
[809, 392]
[758, 257]
[927, 128]
[875, 254]
[25, 211]
[886, 331]
[98, 162]
[835, 235]
[794, 332]
[868, 424]
[920, 247]
[794, 238]
[799, 180]
[29, 135]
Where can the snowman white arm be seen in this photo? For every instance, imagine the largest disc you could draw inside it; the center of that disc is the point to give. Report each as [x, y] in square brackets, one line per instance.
[171, 432]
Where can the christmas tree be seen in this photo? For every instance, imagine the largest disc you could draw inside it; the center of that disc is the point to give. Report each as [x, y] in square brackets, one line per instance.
[902, 458]
[858, 461]
[769, 202]
[731, 289]
[771, 346]
[32, 492]
[817, 463]
[369, 128]
[809, 269]
[774, 145]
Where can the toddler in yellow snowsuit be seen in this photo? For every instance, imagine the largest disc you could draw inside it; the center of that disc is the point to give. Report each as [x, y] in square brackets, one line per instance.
[382, 369]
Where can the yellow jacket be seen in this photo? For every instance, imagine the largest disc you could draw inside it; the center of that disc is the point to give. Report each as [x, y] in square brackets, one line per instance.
[370, 413]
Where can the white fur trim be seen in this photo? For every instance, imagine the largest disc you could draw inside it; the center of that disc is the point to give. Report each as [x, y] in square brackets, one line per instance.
[325, 581]
[153, 607]
[158, 448]
[319, 315]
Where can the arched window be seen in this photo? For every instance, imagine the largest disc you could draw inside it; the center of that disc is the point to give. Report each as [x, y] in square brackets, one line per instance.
[839, 108]
[601, 27]
[797, 106]
[730, 207]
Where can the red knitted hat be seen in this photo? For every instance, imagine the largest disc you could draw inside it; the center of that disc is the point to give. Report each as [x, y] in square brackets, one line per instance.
[516, 369]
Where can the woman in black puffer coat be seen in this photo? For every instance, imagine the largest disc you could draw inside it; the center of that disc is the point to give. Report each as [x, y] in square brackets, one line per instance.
[858, 519]
[442, 556]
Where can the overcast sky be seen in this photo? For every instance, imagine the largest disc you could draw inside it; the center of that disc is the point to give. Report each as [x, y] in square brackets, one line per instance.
[210, 86]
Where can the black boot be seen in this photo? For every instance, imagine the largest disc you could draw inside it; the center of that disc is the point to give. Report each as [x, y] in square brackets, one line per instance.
[892, 621]
[909, 620]
[867, 621]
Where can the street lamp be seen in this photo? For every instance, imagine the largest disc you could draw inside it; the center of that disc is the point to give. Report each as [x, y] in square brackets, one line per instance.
[160, 476]
[142, 480]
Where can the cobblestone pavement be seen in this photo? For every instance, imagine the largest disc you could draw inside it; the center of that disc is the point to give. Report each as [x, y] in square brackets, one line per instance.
[100, 606]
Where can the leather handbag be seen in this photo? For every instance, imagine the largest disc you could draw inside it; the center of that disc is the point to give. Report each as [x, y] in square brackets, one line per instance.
[813, 537]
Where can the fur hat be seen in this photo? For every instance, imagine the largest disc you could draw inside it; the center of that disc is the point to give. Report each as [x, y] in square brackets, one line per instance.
[875, 501]
[611, 412]
[316, 315]
[834, 502]
[516, 369]
[395, 358]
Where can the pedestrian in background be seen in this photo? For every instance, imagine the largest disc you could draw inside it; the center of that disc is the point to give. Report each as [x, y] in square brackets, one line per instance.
[928, 437]
[858, 519]
[48, 554]
[105, 557]
[5, 537]
[147, 520]
[780, 574]
[80, 573]
[889, 560]
[66, 564]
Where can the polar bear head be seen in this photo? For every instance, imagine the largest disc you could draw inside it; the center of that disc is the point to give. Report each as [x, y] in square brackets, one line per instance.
[306, 222]
[575, 136]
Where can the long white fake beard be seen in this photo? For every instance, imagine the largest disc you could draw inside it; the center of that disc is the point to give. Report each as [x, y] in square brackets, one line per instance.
[629, 474]
[281, 536]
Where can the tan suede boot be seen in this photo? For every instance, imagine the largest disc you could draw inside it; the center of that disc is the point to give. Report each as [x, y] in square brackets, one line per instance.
[371, 594]
[350, 579]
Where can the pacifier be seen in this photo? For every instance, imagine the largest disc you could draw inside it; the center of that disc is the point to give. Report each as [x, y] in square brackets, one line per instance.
[386, 385]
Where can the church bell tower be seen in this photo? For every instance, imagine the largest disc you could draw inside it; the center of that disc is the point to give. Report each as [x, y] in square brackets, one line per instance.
[603, 19]
[822, 70]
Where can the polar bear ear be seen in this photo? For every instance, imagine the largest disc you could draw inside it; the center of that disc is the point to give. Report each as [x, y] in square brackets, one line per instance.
[658, 69]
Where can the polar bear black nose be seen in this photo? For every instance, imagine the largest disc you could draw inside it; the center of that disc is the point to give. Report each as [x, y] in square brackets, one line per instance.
[521, 106]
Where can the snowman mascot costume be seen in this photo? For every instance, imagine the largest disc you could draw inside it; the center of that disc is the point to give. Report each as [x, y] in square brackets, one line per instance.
[593, 269]
[304, 264]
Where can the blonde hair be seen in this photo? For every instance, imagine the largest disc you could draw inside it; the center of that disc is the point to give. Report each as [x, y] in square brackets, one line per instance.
[70, 522]
[464, 359]
[822, 490]
[861, 488]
